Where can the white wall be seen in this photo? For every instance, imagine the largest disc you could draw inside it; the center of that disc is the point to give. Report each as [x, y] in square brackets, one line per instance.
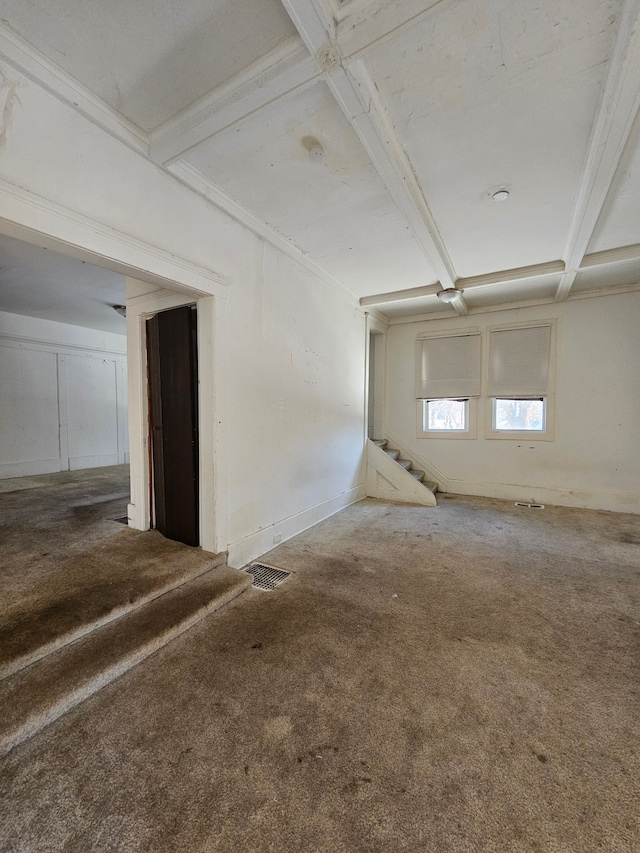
[289, 378]
[63, 401]
[594, 459]
[294, 384]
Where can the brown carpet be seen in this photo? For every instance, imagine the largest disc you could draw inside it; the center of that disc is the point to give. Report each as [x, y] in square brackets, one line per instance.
[67, 566]
[464, 678]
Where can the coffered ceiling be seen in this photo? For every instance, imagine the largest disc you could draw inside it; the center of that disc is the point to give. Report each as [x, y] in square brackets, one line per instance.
[369, 136]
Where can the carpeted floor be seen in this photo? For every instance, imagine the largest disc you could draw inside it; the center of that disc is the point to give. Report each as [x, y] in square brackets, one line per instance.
[464, 678]
[66, 564]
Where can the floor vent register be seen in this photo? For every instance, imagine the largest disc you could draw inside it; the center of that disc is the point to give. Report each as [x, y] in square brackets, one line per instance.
[266, 577]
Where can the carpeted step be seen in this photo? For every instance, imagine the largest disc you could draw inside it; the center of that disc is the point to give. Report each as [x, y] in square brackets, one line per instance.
[380, 442]
[431, 485]
[39, 694]
[394, 454]
[77, 595]
[417, 475]
[404, 463]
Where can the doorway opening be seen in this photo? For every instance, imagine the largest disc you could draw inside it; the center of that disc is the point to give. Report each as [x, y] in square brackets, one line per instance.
[375, 383]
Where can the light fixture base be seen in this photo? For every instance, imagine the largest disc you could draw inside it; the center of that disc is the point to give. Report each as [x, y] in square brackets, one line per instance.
[449, 294]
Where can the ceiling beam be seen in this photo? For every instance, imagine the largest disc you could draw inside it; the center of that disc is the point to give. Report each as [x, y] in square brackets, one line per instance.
[490, 279]
[357, 96]
[616, 113]
[285, 70]
[518, 274]
[400, 295]
[21, 55]
[612, 256]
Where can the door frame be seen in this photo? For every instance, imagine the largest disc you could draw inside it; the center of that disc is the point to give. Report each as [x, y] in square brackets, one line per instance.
[374, 326]
[211, 313]
[175, 281]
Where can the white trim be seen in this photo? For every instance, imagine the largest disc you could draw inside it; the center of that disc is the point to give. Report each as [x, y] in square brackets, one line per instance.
[550, 268]
[285, 70]
[611, 256]
[470, 433]
[11, 470]
[592, 293]
[37, 220]
[373, 327]
[599, 499]
[400, 295]
[513, 435]
[18, 341]
[448, 333]
[616, 113]
[357, 95]
[51, 77]
[259, 543]
[195, 180]
[63, 420]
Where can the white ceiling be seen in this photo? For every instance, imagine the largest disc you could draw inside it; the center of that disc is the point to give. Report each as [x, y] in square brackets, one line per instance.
[424, 108]
[40, 283]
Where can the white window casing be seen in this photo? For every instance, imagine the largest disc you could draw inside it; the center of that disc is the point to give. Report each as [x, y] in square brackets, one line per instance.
[521, 366]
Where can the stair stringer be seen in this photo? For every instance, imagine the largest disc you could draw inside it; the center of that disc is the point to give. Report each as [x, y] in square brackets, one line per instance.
[419, 462]
[386, 479]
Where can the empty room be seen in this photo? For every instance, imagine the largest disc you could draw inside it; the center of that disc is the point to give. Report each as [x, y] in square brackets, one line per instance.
[319, 404]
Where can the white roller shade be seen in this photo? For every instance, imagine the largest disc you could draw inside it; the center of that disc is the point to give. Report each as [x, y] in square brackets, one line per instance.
[448, 367]
[519, 362]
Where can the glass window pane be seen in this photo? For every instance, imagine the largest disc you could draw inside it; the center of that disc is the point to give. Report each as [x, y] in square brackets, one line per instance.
[446, 414]
[519, 414]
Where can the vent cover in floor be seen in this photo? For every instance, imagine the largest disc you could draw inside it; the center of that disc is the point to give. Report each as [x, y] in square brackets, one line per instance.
[266, 577]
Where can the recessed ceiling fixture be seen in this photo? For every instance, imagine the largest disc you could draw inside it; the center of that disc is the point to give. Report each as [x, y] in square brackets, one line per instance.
[449, 294]
[500, 195]
[120, 309]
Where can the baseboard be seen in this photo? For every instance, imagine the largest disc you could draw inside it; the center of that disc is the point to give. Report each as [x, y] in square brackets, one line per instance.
[577, 498]
[78, 463]
[29, 469]
[252, 546]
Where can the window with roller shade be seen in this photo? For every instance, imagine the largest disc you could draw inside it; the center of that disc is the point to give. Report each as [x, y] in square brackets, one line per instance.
[519, 377]
[447, 383]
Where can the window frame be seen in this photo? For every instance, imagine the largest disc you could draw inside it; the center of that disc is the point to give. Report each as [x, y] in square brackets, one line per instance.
[471, 432]
[549, 398]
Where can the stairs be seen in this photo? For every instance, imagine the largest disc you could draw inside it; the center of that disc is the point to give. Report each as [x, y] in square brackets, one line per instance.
[75, 668]
[406, 464]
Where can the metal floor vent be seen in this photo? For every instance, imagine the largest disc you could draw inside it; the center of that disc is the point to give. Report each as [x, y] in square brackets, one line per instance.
[266, 577]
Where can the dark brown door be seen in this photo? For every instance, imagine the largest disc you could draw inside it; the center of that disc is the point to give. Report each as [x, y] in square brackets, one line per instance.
[173, 415]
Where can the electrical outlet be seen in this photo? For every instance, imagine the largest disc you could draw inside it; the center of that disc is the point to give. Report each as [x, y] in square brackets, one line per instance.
[277, 538]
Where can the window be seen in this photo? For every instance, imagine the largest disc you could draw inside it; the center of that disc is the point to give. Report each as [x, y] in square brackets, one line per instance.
[519, 382]
[447, 385]
[513, 414]
[446, 414]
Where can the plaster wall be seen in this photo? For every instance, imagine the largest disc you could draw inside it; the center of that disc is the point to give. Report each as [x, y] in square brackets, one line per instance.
[287, 397]
[592, 462]
[63, 400]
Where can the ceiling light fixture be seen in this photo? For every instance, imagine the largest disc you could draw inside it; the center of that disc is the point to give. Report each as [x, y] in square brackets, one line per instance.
[449, 294]
[500, 195]
[120, 309]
